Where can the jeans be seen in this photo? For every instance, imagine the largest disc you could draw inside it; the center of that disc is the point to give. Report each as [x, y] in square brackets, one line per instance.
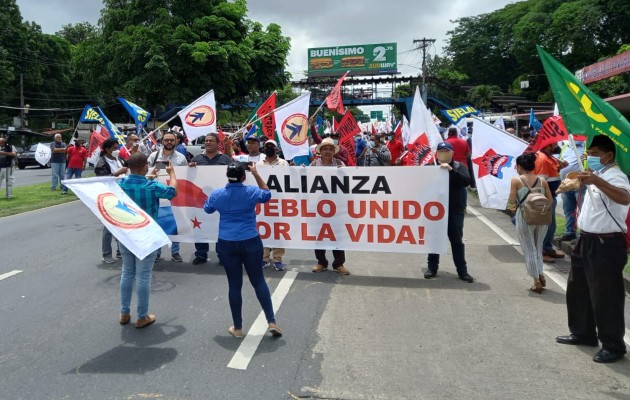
[548, 241]
[174, 249]
[201, 250]
[140, 270]
[455, 236]
[106, 243]
[76, 172]
[58, 172]
[569, 207]
[248, 253]
[339, 258]
[6, 176]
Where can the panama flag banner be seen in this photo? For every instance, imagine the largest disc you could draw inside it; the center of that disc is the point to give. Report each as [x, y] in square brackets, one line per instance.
[422, 123]
[584, 112]
[139, 115]
[494, 153]
[292, 127]
[130, 224]
[200, 117]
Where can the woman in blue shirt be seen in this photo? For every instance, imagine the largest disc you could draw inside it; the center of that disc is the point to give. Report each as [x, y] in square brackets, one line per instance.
[239, 243]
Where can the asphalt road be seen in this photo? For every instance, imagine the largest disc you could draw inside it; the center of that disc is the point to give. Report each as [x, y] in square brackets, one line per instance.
[383, 332]
[34, 175]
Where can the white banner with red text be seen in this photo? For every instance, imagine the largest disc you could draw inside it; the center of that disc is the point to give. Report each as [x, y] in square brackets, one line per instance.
[384, 209]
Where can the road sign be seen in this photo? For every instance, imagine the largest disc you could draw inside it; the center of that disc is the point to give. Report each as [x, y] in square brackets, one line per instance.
[376, 115]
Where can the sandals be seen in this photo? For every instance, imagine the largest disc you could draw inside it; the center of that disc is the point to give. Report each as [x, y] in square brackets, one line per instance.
[237, 333]
[543, 281]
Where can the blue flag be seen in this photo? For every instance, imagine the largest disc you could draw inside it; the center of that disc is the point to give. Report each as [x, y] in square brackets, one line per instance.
[455, 115]
[90, 115]
[140, 115]
[252, 132]
[534, 123]
[111, 128]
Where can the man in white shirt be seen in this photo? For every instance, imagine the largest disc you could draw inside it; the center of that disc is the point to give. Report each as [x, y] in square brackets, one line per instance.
[595, 291]
[271, 159]
[253, 147]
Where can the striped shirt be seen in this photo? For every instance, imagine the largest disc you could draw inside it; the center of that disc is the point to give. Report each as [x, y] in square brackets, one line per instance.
[146, 193]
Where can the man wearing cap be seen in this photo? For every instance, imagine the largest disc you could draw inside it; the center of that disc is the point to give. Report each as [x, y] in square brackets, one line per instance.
[253, 148]
[458, 178]
[77, 159]
[271, 159]
[8, 155]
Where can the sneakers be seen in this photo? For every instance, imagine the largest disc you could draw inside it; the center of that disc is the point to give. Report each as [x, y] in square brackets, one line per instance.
[146, 321]
[430, 274]
[198, 261]
[108, 259]
[274, 329]
[319, 268]
[124, 319]
[342, 270]
[266, 264]
[279, 266]
[176, 257]
[466, 278]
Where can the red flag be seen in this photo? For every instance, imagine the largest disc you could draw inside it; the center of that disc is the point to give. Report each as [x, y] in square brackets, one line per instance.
[266, 116]
[398, 131]
[552, 131]
[419, 152]
[374, 130]
[221, 143]
[334, 100]
[347, 128]
[96, 140]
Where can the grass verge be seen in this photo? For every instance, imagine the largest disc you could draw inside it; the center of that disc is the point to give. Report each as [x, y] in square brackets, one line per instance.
[34, 197]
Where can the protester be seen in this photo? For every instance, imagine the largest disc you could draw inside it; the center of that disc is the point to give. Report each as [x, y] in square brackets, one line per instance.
[378, 155]
[530, 236]
[168, 154]
[77, 160]
[360, 147]
[210, 156]
[461, 149]
[570, 198]
[146, 194]
[395, 147]
[180, 147]
[131, 147]
[548, 167]
[595, 289]
[458, 178]
[239, 244]
[8, 156]
[237, 148]
[58, 162]
[253, 149]
[272, 159]
[109, 164]
[342, 155]
[327, 150]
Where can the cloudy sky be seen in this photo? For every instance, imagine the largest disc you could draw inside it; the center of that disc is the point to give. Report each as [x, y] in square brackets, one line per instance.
[315, 23]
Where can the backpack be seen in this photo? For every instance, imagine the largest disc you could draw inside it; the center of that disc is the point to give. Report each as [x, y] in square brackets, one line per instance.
[535, 206]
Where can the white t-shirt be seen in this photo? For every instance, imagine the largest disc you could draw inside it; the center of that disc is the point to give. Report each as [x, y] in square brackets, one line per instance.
[593, 215]
[247, 158]
[114, 165]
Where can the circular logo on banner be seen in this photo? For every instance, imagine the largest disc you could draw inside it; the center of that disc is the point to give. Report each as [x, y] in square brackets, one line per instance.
[295, 129]
[119, 213]
[200, 116]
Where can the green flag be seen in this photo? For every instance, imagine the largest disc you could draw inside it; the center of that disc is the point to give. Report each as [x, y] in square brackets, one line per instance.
[584, 112]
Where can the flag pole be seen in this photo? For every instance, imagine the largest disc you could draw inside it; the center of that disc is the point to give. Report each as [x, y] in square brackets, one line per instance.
[580, 164]
[269, 113]
[323, 102]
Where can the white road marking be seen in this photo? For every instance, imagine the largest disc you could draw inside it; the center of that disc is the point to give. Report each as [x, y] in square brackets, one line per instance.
[9, 274]
[247, 349]
[554, 276]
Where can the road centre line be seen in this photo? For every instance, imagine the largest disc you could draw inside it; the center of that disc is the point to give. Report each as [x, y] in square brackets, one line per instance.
[247, 349]
[556, 277]
[9, 274]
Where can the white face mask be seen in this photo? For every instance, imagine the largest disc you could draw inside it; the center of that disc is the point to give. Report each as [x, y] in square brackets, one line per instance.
[115, 153]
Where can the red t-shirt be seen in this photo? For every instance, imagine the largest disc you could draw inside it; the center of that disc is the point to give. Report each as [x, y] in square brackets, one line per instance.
[395, 148]
[76, 157]
[460, 149]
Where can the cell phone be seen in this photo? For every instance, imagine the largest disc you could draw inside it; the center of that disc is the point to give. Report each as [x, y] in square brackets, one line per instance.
[161, 164]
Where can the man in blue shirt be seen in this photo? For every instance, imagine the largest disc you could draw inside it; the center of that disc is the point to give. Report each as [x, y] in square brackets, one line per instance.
[360, 149]
[146, 194]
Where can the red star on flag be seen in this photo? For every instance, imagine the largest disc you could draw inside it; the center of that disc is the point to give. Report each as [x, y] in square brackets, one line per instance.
[196, 223]
[484, 163]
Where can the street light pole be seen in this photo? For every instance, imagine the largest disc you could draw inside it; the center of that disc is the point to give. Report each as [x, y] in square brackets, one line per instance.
[423, 45]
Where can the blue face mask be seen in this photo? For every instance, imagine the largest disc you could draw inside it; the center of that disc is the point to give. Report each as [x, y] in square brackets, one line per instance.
[594, 163]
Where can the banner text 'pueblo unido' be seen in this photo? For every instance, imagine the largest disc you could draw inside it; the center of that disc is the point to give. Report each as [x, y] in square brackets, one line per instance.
[360, 209]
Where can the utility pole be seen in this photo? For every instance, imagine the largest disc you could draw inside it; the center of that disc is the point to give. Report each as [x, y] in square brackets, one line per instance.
[423, 44]
[22, 116]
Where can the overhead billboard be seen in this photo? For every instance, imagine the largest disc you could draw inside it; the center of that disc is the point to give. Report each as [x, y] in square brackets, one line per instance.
[362, 59]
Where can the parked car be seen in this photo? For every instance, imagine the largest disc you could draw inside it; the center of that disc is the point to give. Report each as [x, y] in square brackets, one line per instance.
[27, 157]
[197, 146]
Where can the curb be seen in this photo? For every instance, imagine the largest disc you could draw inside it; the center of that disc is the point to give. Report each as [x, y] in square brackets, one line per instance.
[567, 247]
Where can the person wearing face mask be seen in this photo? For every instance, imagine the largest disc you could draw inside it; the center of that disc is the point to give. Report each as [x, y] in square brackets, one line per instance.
[595, 291]
[548, 167]
[109, 164]
[252, 143]
[378, 155]
[146, 194]
[458, 178]
[272, 159]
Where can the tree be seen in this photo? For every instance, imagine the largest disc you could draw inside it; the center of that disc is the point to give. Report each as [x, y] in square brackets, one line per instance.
[481, 96]
[78, 33]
